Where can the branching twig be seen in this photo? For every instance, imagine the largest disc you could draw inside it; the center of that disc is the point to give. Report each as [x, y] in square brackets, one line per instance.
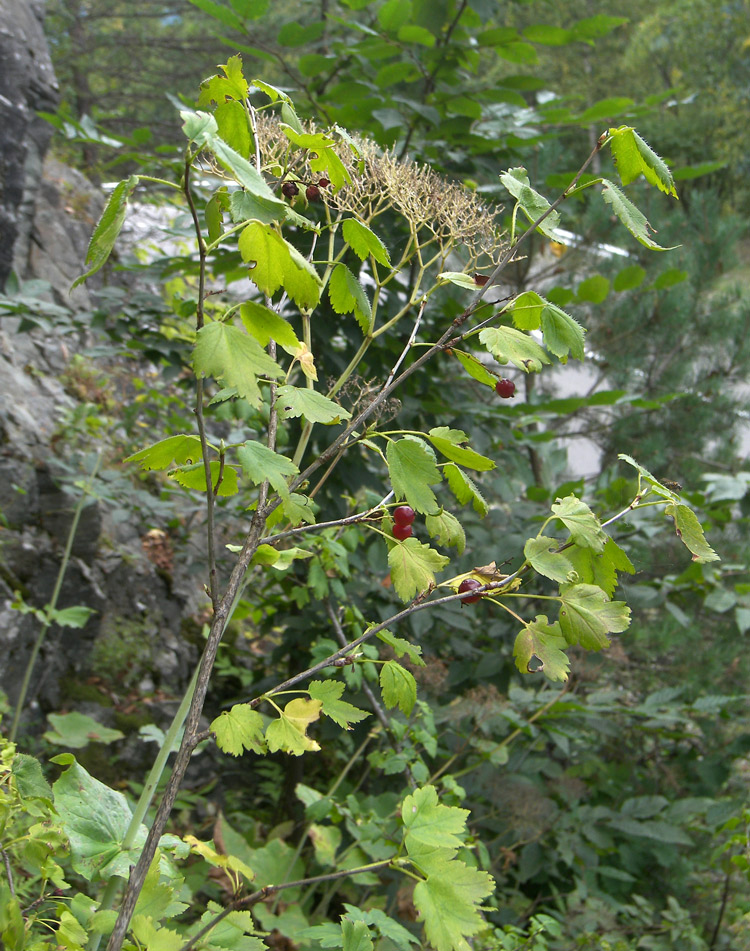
[267, 891]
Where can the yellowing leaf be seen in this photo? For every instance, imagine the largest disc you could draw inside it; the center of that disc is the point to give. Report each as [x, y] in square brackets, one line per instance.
[240, 728]
[289, 732]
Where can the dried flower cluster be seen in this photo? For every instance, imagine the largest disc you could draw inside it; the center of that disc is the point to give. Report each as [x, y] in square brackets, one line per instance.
[451, 213]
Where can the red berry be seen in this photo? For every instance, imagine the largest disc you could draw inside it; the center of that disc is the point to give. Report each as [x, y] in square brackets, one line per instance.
[323, 183]
[401, 531]
[312, 192]
[469, 584]
[505, 388]
[289, 190]
[481, 279]
[404, 515]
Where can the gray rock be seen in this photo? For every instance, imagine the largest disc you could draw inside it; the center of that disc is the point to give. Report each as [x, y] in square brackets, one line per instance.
[27, 85]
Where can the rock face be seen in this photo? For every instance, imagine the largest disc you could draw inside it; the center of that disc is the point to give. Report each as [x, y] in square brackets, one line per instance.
[27, 85]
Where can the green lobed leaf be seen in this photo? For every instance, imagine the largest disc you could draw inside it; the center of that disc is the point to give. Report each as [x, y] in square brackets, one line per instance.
[294, 401]
[430, 823]
[238, 729]
[584, 527]
[533, 205]
[388, 928]
[448, 442]
[347, 296]
[227, 353]
[260, 463]
[355, 935]
[600, 568]
[526, 310]
[194, 477]
[413, 566]
[412, 470]
[464, 489]
[630, 216]
[151, 936]
[178, 449]
[231, 119]
[509, 345]
[108, 228]
[634, 156]
[562, 334]
[587, 616]
[447, 529]
[690, 532]
[329, 693]
[398, 686]
[265, 324]
[364, 242]
[275, 263]
[544, 644]
[448, 903]
[158, 899]
[541, 553]
[29, 779]
[402, 647]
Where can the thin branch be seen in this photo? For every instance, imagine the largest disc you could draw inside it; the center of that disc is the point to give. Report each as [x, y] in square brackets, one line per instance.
[267, 891]
[409, 343]
[213, 581]
[335, 523]
[8, 872]
[366, 688]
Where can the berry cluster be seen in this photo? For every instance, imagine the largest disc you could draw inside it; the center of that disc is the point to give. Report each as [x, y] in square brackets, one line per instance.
[290, 189]
[403, 516]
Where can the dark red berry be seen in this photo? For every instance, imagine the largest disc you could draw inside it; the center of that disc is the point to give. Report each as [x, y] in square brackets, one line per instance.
[505, 388]
[323, 183]
[289, 190]
[401, 531]
[404, 515]
[469, 584]
[312, 192]
[480, 279]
